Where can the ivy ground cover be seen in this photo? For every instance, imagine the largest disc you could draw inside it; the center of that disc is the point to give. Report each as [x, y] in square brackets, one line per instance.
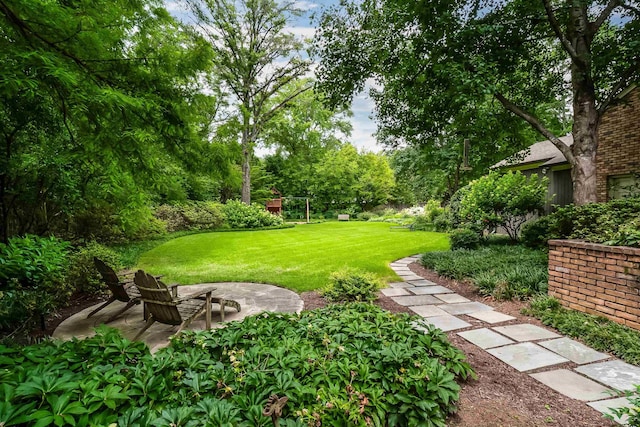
[300, 258]
[341, 365]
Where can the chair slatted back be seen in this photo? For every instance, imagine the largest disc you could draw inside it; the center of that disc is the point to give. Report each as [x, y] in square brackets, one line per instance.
[110, 278]
[157, 298]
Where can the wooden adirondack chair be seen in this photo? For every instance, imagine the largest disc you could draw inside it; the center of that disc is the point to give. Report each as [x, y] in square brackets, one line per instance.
[121, 290]
[163, 307]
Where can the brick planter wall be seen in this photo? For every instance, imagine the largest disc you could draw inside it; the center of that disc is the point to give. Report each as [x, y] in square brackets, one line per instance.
[596, 279]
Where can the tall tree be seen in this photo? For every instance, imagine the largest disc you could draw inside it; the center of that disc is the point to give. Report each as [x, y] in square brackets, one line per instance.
[433, 58]
[256, 60]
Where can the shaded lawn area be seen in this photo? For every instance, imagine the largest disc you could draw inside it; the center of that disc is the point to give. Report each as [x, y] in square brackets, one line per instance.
[299, 258]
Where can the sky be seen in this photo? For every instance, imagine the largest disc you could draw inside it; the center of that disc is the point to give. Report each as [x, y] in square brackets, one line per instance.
[363, 125]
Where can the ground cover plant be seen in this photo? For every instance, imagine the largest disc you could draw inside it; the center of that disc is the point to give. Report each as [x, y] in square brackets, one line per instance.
[340, 365]
[300, 258]
[503, 271]
[595, 331]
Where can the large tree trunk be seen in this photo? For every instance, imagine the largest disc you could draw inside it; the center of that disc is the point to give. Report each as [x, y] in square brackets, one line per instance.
[246, 166]
[246, 175]
[585, 114]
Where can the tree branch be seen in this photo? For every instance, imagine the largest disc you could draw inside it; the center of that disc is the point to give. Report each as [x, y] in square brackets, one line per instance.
[555, 25]
[535, 123]
[267, 116]
[625, 80]
[604, 15]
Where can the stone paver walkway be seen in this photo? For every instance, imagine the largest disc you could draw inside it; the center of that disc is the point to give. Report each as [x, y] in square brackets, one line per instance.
[525, 347]
[254, 298]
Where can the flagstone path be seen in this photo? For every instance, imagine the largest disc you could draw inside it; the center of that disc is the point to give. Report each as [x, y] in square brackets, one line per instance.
[597, 380]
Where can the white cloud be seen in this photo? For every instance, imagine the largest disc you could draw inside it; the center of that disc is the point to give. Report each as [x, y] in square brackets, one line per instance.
[301, 32]
[305, 5]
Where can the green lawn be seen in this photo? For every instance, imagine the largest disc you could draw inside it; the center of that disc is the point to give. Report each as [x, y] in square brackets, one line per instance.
[299, 258]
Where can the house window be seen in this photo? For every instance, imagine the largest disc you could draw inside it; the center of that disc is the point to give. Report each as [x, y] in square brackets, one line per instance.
[622, 186]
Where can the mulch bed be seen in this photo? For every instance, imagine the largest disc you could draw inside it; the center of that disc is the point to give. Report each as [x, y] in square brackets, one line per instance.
[501, 396]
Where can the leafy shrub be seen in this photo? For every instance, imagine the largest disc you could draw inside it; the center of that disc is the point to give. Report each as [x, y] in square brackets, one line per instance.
[351, 285]
[502, 200]
[616, 222]
[464, 238]
[341, 365]
[535, 233]
[432, 210]
[191, 216]
[632, 412]
[366, 216]
[32, 278]
[443, 222]
[240, 215]
[82, 270]
[595, 331]
[504, 272]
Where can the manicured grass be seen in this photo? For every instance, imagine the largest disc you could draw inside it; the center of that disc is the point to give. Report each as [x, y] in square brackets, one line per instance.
[299, 258]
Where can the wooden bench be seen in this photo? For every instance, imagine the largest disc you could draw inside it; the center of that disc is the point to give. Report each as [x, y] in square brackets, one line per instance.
[343, 217]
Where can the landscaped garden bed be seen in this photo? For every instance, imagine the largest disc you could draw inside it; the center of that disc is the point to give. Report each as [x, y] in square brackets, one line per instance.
[340, 365]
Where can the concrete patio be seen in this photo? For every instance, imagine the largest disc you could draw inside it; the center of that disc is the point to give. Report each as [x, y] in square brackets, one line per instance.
[253, 298]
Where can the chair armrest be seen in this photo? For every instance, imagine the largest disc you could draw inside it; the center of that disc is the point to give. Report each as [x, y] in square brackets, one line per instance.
[198, 295]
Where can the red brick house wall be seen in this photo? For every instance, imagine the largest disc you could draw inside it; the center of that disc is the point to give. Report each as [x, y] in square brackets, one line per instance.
[596, 279]
[619, 142]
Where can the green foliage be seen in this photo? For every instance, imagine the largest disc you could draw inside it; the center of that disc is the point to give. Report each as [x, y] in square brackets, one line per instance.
[464, 238]
[32, 278]
[366, 216]
[616, 222]
[348, 181]
[535, 233]
[353, 364]
[597, 332]
[503, 200]
[191, 216]
[110, 113]
[504, 272]
[83, 274]
[632, 412]
[240, 215]
[349, 285]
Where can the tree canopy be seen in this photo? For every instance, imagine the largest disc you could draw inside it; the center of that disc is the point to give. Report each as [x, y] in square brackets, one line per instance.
[100, 100]
[434, 60]
[256, 61]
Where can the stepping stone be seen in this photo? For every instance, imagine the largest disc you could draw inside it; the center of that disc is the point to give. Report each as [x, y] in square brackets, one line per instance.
[447, 322]
[485, 338]
[394, 292]
[430, 290]
[490, 316]
[422, 282]
[416, 300]
[525, 332]
[400, 285]
[402, 270]
[604, 406]
[402, 262]
[574, 351]
[573, 385]
[526, 356]
[452, 298]
[616, 373]
[428, 310]
[409, 277]
[464, 308]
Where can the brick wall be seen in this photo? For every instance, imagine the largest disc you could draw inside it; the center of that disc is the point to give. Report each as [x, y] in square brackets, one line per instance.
[619, 141]
[596, 279]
